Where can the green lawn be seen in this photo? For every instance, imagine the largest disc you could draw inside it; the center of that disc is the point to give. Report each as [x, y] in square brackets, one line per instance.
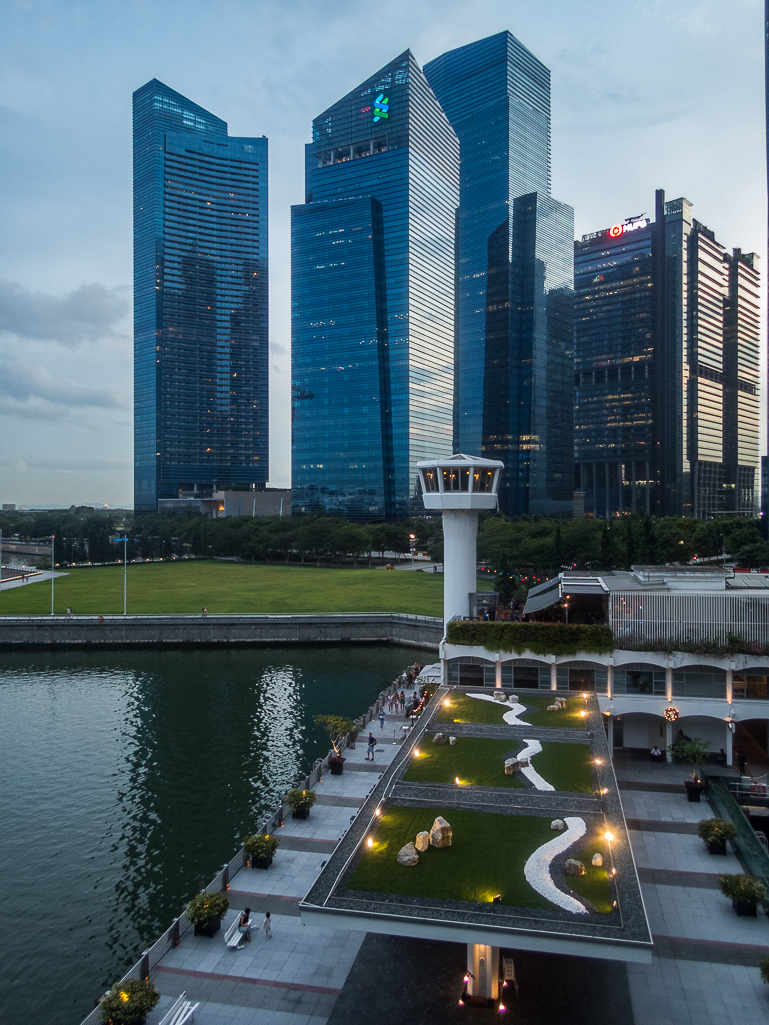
[462, 708]
[185, 587]
[486, 857]
[480, 762]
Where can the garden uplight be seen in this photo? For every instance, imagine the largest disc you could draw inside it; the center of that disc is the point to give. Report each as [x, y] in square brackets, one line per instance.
[378, 812]
[583, 714]
[369, 842]
[502, 1008]
[609, 836]
[456, 780]
[605, 790]
[447, 703]
[416, 752]
[598, 761]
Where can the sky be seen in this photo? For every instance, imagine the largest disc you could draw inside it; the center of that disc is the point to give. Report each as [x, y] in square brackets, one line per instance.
[646, 94]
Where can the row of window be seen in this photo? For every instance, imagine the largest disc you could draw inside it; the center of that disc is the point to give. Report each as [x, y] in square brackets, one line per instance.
[633, 678]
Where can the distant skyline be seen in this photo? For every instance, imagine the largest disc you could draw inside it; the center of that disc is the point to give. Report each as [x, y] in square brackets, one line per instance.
[645, 94]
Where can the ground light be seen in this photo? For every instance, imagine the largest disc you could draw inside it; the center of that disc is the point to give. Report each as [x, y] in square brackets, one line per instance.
[583, 714]
[416, 752]
[447, 703]
[609, 836]
[369, 842]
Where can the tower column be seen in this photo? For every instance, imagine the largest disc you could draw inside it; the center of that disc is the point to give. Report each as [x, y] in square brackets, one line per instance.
[482, 971]
[460, 529]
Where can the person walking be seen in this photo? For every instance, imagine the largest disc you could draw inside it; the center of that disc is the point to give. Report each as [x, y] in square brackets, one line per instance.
[370, 748]
[381, 719]
[403, 701]
[267, 925]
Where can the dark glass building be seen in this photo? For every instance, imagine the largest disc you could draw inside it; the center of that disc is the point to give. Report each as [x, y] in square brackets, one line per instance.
[200, 302]
[666, 369]
[514, 275]
[372, 298]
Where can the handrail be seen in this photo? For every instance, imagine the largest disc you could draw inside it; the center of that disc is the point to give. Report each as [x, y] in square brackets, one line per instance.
[746, 843]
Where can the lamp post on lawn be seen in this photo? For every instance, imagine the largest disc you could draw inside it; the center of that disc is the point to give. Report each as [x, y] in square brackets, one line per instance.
[125, 571]
[53, 564]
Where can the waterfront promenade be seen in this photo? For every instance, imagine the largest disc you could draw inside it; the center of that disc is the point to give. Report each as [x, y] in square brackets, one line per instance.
[295, 977]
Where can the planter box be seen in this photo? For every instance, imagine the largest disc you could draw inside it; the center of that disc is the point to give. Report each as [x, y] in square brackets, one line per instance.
[208, 930]
[261, 862]
[302, 813]
[716, 847]
[741, 908]
[693, 791]
[336, 765]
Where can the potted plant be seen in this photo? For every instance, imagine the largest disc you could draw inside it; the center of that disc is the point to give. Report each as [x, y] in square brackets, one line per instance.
[128, 1003]
[300, 802]
[714, 833]
[261, 849]
[745, 892]
[337, 727]
[694, 753]
[206, 911]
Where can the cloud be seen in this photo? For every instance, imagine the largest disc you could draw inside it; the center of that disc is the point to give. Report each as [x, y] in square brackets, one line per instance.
[278, 350]
[23, 381]
[85, 315]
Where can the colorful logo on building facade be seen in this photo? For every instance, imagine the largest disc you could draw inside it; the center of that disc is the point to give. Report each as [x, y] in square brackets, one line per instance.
[623, 229]
[381, 106]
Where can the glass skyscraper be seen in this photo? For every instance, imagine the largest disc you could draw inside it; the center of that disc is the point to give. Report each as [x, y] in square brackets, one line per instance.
[514, 274]
[200, 302]
[666, 369]
[372, 298]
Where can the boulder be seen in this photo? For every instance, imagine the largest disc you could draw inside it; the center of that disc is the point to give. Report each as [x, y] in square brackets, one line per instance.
[597, 860]
[440, 834]
[408, 855]
[499, 695]
[512, 765]
[558, 824]
[422, 841]
[513, 699]
[553, 708]
[439, 738]
[574, 867]
[452, 741]
[561, 702]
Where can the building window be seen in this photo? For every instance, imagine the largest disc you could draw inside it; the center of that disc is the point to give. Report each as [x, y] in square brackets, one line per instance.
[699, 682]
[752, 685]
[637, 678]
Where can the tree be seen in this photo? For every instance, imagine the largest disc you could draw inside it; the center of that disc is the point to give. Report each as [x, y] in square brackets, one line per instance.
[337, 727]
[693, 752]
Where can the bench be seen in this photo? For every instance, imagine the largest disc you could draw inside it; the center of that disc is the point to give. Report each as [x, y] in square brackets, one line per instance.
[182, 1012]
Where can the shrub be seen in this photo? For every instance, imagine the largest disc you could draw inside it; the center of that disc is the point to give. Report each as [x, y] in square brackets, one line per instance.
[207, 908]
[714, 830]
[298, 800]
[539, 638]
[128, 1002]
[693, 752]
[337, 727]
[261, 846]
[764, 966]
[745, 889]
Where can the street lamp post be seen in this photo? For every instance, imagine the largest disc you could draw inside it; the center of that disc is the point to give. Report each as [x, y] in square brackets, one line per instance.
[53, 569]
[125, 571]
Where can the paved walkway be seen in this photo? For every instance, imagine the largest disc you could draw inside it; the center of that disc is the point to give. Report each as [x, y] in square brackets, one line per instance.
[37, 578]
[295, 977]
[704, 969]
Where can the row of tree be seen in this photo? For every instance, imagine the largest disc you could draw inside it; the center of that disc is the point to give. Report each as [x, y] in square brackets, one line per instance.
[522, 548]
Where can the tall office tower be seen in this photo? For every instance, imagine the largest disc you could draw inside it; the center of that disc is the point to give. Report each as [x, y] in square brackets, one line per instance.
[200, 302]
[372, 298]
[666, 369]
[514, 280]
[765, 459]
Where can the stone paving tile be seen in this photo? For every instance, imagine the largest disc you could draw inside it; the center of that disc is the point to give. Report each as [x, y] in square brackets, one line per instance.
[696, 913]
[662, 807]
[678, 853]
[668, 992]
[291, 874]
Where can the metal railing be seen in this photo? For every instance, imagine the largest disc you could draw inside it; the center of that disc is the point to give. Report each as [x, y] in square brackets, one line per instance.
[747, 845]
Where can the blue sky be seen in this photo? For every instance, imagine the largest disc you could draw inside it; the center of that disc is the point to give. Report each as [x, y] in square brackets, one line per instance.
[646, 94]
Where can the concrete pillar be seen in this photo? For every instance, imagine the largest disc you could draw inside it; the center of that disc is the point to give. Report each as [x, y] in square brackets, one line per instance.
[610, 680]
[460, 529]
[668, 740]
[668, 683]
[483, 971]
[729, 685]
[553, 676]
[610, 736]
[497, 671]
[728, 746]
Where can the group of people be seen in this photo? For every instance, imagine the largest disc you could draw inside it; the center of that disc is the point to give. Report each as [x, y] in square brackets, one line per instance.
[245, 927]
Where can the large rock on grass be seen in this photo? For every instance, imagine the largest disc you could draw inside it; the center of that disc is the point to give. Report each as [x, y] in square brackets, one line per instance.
[408, 856]
[439, 738]
[574, 867]
[440, 834]
[452, 741]
[422, 841]
[558, 824]
[512, 765]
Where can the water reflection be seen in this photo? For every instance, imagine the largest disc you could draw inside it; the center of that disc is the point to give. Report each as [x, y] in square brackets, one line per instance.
[127, 779]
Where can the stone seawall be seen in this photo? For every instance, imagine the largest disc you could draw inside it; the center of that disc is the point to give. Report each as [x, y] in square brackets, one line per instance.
[174, 631]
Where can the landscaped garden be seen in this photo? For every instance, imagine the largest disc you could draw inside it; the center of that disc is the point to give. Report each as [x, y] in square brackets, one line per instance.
[486, 858]
[480, 762]
[462, 708]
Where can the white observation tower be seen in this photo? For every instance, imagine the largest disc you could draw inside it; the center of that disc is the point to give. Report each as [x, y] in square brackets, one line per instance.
[460, 486]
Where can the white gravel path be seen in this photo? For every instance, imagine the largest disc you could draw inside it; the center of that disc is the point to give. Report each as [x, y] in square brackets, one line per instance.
[537, 868]
[510, 717]
[531, 774]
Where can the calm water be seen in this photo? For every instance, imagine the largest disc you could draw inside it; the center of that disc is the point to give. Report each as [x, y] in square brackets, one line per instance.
[128, 779]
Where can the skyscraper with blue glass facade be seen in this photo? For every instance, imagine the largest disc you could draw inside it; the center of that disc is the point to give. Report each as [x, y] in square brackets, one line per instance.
[514, 280]
[200, 301]
[372, 298]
